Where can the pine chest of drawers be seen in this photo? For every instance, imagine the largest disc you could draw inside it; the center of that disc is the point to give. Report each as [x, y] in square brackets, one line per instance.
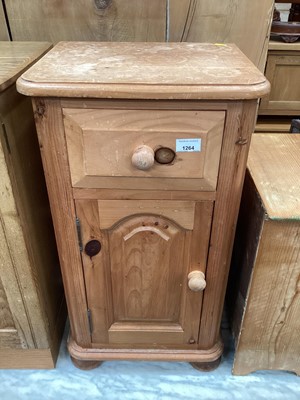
[144, 148]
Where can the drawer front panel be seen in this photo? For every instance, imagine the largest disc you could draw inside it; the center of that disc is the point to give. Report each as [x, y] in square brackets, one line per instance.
[101, 144]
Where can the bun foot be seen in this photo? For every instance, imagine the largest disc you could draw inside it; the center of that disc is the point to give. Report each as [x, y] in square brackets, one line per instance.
[85, 364]
[206, 366]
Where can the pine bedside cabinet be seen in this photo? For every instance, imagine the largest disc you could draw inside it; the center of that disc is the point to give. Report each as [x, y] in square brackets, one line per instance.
[144, 149]
[32, 305]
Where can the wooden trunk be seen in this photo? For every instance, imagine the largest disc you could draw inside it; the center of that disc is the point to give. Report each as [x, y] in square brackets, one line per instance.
[32, 312]
[264, 285]
[144, 160]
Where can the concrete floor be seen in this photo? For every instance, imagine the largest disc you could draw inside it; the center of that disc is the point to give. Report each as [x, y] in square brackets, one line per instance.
[146, 381]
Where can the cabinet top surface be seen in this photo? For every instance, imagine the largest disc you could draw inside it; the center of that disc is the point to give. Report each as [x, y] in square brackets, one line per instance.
[15, 57]
[144, 70]
[274, 164]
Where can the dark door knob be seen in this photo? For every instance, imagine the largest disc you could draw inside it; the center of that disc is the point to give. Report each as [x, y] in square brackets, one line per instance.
[92, 248]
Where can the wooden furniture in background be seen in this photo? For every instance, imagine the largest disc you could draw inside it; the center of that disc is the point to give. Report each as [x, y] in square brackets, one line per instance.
[264, 291]
[283, 72]
[32, 312]
[247, 24]
[129, 235]
[273, 124]
[3, 26]
[93, 20]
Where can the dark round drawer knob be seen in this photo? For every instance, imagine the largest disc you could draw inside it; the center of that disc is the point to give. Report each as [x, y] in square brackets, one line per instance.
[164, 155]
[92, 248]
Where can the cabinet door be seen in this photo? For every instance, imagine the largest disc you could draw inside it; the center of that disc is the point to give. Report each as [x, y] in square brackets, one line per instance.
[136, 259]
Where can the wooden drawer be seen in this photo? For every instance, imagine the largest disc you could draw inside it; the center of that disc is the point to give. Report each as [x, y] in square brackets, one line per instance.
[101, 143]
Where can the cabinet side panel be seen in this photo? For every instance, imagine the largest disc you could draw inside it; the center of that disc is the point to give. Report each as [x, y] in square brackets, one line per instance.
[50, 130]
[238, 129]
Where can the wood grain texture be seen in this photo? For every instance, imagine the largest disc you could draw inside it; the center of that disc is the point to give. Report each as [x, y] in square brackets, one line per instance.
[229, 21]
[4, 35]
[280, 45]
[121, 104]
[101, 144]
[134, 333]
[26, 359]
[9, 336]
[162, 354]
[278, 186]
[240, 121]
[37, 264]
[266, 313]
[16, 57]
[145, 299]
[14, 255]
[146, 268]
[96, 272]
[32, 290]
[51, 136]
[87, 20]
[125, 194]
[282, 70]
[6, 319]
[273, 124]
[144, 70]
[131, 300]
[112, 211]
[197, 254]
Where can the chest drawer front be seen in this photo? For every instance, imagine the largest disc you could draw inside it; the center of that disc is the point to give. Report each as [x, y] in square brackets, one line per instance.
[101, 143]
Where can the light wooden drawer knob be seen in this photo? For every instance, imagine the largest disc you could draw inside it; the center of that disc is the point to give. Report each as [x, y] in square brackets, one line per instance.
[143, 157]
[196, 281]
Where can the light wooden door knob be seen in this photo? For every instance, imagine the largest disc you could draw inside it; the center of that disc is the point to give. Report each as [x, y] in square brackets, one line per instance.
[196, 281]
[143, 157]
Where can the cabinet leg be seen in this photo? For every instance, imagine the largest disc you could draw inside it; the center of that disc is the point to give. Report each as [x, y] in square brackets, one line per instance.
[206, 366]
[85, 364]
